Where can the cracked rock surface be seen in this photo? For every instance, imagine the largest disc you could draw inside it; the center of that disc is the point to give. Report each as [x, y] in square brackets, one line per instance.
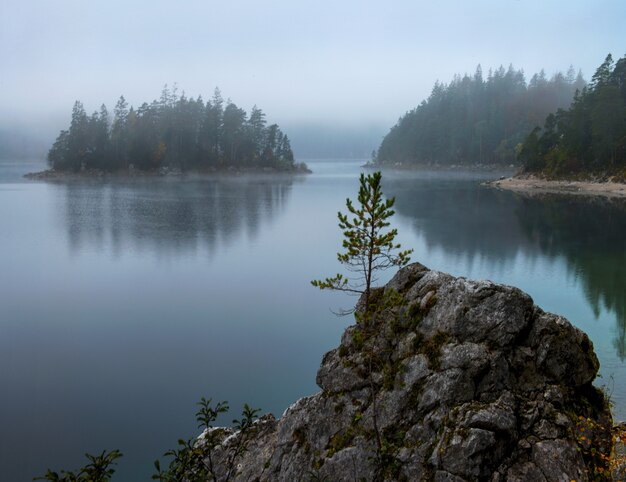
[443, 379]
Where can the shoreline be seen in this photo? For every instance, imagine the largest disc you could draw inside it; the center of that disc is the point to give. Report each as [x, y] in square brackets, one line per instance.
[399, 166]
[535, 185]
[54, 175]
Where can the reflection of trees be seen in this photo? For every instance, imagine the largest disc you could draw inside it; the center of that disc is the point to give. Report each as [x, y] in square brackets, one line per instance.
[461, 218]
[166, 215]
[465, 220]
[591, 235]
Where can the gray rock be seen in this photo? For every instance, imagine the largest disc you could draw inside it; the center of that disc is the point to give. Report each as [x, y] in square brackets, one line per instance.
[443, 476]
[524, 472]
[338, 374]
[446, 387]
[464, 453]
[559, 460]
[415, 370]
[461, 380]
[563, 352]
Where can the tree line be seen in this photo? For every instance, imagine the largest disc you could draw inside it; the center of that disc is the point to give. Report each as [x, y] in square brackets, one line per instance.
[590, 136]
[473, 120]
[173, 132]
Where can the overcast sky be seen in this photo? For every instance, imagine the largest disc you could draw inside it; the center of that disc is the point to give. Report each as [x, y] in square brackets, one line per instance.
[344, 61]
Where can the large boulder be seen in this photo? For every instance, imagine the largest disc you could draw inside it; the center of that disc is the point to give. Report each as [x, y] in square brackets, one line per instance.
[443, 379]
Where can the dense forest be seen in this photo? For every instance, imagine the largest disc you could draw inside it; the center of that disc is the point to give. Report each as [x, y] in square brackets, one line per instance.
[174, 132]
[473, 120]
[590, 136]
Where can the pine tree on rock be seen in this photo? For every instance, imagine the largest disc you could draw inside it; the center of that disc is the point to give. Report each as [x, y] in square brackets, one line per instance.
[369, 248]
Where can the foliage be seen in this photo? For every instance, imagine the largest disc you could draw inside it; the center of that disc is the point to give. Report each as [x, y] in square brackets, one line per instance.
[195, 459]
[245, 428]
[368, 248]
[173, 132]
[617, 462]
[591, 437]
[588, 137]
[99, 469]
[472, 120]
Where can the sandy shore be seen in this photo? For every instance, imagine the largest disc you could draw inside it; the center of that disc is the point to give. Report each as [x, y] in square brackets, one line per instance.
[536, 185]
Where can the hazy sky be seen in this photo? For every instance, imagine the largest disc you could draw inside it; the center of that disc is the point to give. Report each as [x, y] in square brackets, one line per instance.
[343, 61]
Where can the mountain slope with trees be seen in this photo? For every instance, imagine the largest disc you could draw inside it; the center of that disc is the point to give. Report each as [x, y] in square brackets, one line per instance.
[174, 132]
[590, 136]
[473, 120]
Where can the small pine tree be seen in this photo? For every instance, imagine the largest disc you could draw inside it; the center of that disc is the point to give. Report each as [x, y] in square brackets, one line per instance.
[368, 248]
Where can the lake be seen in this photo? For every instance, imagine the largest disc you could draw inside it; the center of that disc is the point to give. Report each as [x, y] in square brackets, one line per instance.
[123, 302]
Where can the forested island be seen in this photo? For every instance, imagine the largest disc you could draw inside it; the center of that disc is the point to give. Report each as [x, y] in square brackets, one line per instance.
[590, 136]
[172, 134]
[473, 120]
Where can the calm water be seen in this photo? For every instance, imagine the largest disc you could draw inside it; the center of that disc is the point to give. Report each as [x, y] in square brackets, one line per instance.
[122, 303]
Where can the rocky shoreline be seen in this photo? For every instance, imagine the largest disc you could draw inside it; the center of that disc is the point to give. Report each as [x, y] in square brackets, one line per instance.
[537, 185]
[445, 379]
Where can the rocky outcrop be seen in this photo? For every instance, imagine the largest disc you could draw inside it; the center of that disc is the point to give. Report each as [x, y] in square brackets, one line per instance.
[443, 379]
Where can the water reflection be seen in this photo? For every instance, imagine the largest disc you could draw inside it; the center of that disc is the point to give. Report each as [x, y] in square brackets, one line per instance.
[591, 235]
[463, 219]
[588, 233]
[170, 217]
[113, 322]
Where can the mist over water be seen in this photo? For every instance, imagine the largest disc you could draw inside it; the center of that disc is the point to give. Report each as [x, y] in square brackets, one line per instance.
[123, 302]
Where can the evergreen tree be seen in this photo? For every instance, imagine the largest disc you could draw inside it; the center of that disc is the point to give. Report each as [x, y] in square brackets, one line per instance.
[603, 73]
[119, 134]
[58, 154]
[256, 125]
[608, 121]
[234, 119]
[100, 126]
[368, 247]
[78, 139]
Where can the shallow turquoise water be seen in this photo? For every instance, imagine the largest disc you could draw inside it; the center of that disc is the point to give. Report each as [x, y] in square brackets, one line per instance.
[123, 302]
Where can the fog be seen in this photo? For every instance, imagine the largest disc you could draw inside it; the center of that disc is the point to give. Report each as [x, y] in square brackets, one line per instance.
[354, 65]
